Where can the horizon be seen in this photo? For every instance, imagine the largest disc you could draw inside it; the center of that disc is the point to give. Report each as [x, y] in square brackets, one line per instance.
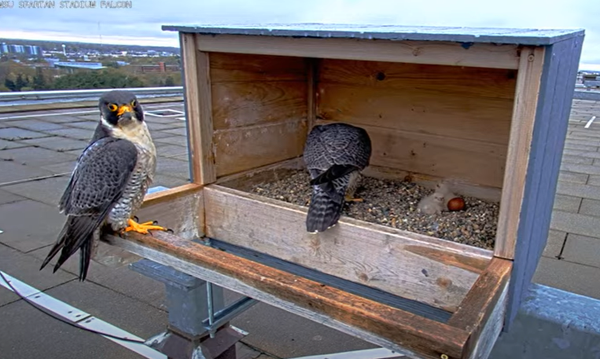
[140, 22]
[583, 66]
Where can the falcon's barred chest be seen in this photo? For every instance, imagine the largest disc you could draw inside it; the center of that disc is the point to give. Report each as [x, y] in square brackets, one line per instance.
[141, 177]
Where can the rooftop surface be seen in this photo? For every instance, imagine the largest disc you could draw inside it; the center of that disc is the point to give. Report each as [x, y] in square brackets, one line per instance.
[390, 32]
[38, 150]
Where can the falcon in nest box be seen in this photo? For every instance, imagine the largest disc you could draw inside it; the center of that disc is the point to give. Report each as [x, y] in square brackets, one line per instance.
[109, 181]
[334, 154]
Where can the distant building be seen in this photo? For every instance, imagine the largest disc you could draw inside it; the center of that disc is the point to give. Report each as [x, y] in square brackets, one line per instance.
[160, 67]
[16, 49]
[33, 50]
[76, 65]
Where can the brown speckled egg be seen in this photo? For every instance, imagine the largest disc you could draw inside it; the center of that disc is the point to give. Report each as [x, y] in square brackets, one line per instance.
[456, 204]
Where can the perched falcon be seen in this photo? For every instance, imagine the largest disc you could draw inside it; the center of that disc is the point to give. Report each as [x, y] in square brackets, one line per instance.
[334, 155]
[109, 181]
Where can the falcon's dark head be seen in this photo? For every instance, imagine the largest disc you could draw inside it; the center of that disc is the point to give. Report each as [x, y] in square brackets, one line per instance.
[118, 108]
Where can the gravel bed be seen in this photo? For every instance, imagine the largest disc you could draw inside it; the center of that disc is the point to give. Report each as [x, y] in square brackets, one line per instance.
[394, 203]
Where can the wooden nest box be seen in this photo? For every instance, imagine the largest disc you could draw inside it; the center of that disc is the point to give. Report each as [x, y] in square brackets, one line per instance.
[486, 107]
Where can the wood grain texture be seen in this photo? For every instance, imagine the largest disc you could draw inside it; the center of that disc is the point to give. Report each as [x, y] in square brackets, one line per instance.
[198, 110]
[483, 346]
[365, 318]
[229, 67]
[560, 68]
[430, 270]
[244, 148]
[311, 93]
[524, 114]
[448, 115]
[180, 209]
[441, 121]
[246, 180]
[473, 161]
[238, 104]
[436, 80]
[411, 306]
[483, 304]
[459, 186]
[461, 102]
[421, 52]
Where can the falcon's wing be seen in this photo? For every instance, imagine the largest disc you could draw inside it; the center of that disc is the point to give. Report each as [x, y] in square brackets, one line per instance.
[332, 154]
[101, 175]
[341, 145]
[99, 178]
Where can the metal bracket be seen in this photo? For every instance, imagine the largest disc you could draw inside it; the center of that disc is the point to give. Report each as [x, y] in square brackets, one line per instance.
[198, 319]
[177, 346]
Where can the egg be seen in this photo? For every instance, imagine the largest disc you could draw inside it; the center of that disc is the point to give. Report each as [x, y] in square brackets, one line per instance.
[456, 204]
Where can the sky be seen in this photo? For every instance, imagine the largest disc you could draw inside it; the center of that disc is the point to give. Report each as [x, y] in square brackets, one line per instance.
[141, 24]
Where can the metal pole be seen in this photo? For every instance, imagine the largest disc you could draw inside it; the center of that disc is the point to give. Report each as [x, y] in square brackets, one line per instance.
[211, 309]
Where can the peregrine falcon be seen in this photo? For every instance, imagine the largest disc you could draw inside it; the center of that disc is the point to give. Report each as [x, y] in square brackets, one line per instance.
[109, 181]
[334, 155]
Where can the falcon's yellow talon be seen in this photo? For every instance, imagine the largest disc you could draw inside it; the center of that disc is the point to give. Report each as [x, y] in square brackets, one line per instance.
[352, 199]
[142, 228]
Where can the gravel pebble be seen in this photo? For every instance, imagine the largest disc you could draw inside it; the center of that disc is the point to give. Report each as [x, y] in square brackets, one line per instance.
[394, 203]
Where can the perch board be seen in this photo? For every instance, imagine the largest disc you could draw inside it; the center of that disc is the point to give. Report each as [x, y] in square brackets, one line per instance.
[477, 313]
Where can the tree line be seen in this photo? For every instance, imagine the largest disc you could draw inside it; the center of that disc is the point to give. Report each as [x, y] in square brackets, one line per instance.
[45, 79]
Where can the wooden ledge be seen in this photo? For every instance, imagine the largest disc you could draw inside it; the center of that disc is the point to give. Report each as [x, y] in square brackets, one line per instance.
[299, 295]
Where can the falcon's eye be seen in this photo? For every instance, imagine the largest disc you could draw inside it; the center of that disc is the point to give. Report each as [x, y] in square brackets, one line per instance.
[133, 103]
[112, 107]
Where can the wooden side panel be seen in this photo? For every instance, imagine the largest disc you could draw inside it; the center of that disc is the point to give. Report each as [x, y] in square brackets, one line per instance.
[180, 209]
[458, 186]
[245, 181]
[248, 147]
[433, 79]
[560, 69]
[198, 110]
[519, 151]
[433, 120]
[448, 115]
[386, 326]
[421, 52]
[313, 77]
[482, 311]
[246, 104]
[229, 67]
[426, 269]
[438, 156]
[260, 110]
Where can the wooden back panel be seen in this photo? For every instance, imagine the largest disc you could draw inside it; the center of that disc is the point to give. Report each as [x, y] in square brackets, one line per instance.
[259, 107]
[444, 121]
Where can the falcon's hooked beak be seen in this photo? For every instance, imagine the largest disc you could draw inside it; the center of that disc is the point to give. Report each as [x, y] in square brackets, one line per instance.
[125, 114]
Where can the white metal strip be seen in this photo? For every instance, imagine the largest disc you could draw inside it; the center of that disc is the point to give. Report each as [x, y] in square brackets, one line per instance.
[173, 113]
[80, 317]
[379, 353]
[48, 114]
[589, 123]
[102, 326]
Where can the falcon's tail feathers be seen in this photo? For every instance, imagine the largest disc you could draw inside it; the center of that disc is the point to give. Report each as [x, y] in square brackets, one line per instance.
[332, 173]
[324, 211]
[77, 234]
